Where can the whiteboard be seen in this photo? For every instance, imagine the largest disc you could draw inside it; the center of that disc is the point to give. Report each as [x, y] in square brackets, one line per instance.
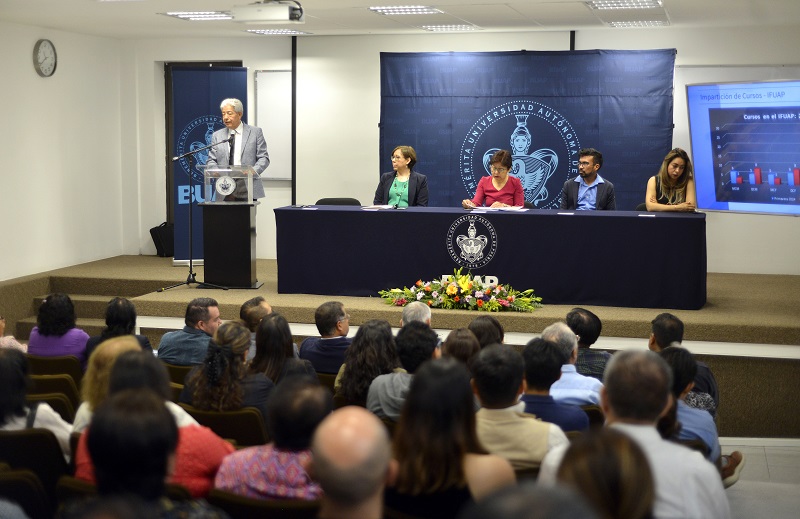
[693, 74]
[274, 117]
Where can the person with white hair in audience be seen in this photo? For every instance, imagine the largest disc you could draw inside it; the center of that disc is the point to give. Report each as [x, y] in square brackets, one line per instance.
[416, 311]
[572, 388]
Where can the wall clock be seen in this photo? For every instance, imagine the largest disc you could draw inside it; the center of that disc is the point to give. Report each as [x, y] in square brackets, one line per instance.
[44, 58]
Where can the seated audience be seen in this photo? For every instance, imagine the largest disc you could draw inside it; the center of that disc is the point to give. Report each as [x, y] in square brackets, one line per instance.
[221, 382]
[251, 313]
[275, 351]
[487, 329]
[543, 362]
[610, 470]
[372, 353]
[416, 311]
[188, 347]
[278, 470]
[351, 458]
[668, 329]
[199, 452]
[55, 333]
[94, 384]
[461, 344]
[502, 426]
[120, 320]
[132, 443]
[442, 465]
[531, 501]
[8, 341]
[636, 392]
[499, 189]
[587, 327]
[402, 187]
[572, 388]
[416, 343]
[697, 424]
[672, 188]
[15, 413]
[326, 353]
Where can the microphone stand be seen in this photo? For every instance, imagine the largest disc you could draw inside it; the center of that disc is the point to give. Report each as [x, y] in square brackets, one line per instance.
[192, 277]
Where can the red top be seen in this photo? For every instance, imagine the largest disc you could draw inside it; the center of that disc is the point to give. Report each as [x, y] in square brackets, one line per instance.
[198, 456]
[511, 194]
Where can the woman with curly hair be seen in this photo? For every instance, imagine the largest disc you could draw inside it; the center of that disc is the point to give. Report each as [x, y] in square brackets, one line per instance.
[371, 353]
[275, 351]
[442, 465]
[55, 333]
[221, 382]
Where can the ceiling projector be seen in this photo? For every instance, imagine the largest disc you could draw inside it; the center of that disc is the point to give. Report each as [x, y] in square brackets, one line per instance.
[269, 12]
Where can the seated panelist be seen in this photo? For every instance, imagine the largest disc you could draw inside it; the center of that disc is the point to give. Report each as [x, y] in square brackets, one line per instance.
[498, 189]
[672, 189]
[402, 187]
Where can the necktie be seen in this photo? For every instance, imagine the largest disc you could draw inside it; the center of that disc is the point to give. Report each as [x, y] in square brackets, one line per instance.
[233, 147]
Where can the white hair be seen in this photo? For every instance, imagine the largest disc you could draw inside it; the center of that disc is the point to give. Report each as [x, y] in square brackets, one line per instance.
[235, 103]
[416, 311]
[563, 337]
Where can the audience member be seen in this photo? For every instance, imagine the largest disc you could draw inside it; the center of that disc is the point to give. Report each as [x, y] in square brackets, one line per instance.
[278, 470]
[15, 413]
[275, 351]
[94, 384]
[587, 327]
[55, 333]
[188, 347]
[487, 329]
[442, 464]
[572, 388]
[461, 344]
[416, 343]
[199, 452]
[502, 426]
[326, 353]
[372, 353]
[667, 329]
[8, 341]
[543, 362]
[251, 313]
[132, 442]
[636, 392]
[531, 501]
[120, 320]
[222, 383]
[611, 471]
[416, 311]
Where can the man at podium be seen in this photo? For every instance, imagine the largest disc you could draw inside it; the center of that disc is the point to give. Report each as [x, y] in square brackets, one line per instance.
[245, 146]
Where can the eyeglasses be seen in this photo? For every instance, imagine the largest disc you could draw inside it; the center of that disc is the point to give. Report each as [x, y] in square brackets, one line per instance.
[584, 163]
[498, 170]
[397, 158]
[345, 318]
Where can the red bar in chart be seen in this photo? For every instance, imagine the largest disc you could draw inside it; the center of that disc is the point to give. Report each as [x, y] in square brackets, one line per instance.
[757, 172]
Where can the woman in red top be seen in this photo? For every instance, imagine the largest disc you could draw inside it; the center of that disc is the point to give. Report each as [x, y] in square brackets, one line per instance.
[499, 189]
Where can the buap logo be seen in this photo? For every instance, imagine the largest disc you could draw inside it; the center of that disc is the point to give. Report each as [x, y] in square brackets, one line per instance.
[196, 135]
[472, 241]
[543, 171]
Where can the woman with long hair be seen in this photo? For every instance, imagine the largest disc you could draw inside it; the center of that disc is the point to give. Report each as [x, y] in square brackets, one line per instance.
[275, 351]
[55, 333]
[371, 353]
[222, 382]
[441, 464]
[672, 189]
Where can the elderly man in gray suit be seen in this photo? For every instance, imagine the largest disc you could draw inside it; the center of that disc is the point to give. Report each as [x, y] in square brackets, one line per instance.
[249, 147]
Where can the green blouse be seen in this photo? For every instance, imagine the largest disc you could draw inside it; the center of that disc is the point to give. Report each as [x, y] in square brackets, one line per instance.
[398, 193]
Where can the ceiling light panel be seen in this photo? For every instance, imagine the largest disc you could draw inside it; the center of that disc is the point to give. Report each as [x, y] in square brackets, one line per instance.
[400, 10]
[624, 4]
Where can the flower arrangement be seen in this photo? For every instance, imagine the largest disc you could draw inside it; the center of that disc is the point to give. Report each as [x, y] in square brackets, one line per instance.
[464, 292]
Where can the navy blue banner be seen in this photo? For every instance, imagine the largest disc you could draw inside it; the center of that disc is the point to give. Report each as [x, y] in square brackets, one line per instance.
[456, 109]
[196, 95]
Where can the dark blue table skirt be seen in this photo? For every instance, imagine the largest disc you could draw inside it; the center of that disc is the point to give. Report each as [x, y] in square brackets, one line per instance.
[618, 258]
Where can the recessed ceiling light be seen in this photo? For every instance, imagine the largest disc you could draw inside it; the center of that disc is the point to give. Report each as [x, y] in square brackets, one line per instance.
[643, 23]
[278, 32]
[450, 28]
[624, 4]
[200, 16]
[405, 9]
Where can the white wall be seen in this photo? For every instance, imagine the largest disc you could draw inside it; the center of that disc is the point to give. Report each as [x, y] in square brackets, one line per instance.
[108, 95]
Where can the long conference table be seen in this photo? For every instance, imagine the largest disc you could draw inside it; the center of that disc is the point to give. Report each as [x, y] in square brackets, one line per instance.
[607, 258]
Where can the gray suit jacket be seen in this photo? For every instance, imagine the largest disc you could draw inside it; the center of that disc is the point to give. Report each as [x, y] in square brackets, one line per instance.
[254, 153]
[605, 196]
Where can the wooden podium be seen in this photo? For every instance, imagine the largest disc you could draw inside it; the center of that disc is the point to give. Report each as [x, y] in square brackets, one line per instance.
[229, 231]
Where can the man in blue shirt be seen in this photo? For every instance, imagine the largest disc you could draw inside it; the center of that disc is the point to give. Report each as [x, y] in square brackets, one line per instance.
[326, 353]
[588, 191]
[188, 347]
[572, 388]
